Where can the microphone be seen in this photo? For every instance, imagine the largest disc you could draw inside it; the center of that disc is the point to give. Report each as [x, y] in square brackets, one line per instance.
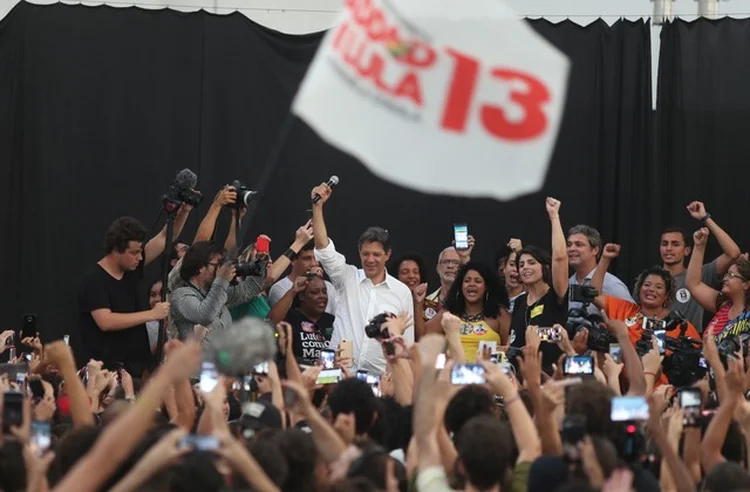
[185, 180]
[245, 344]
[332, 181]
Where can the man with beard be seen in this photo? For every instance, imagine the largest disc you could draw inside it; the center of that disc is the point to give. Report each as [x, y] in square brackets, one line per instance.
[674, 248]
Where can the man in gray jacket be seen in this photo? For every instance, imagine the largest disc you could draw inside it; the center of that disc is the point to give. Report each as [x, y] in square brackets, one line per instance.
[207, 293]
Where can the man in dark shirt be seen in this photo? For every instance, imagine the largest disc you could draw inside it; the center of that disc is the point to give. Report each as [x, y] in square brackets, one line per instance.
[112, 315]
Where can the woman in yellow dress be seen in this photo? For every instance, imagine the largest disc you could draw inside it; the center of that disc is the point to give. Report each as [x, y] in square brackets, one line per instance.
[478, 298]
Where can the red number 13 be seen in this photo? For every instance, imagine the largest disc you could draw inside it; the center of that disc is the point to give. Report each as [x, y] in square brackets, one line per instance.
[494, 118]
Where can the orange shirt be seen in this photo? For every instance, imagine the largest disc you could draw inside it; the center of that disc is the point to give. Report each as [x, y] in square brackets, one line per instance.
[630, 313]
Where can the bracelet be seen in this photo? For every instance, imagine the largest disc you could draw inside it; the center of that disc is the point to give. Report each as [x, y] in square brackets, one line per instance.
[511, 400]
[290, 253]
[705, 218]
[647, 373]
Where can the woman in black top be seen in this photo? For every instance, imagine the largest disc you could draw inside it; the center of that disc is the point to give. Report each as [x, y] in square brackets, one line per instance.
[545, 281]
[304, 308]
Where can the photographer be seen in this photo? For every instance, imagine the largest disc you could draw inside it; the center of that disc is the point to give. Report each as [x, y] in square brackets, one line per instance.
[207, 294]
[112, 313]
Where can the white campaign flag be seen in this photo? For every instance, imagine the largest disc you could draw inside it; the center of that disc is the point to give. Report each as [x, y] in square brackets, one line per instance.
[443, 96]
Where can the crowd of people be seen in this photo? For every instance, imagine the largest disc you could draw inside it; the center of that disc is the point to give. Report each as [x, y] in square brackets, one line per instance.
[512, 375]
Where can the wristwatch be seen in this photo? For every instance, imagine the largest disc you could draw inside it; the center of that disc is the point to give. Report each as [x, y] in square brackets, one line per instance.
[705, 218]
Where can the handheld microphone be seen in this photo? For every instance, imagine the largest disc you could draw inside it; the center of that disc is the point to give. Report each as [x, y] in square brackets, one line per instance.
[245, 344]
[185, 180]
[332, 181]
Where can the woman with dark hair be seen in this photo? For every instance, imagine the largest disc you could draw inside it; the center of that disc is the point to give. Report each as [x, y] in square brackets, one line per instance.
[730, 304]
[304, 308]
[653, 289]
[479, 300]
[410, 270]
[544, 302]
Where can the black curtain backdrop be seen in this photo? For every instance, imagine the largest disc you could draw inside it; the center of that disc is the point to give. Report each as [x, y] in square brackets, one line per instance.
[99, 107]
[704, 123]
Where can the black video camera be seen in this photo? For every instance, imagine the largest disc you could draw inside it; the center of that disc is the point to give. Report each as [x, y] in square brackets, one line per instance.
[685, 365]
[579, 318]
[179, 195]
[375, 328]
[244, 195]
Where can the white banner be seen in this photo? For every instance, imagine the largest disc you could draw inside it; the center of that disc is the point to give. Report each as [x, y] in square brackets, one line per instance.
[443, 96]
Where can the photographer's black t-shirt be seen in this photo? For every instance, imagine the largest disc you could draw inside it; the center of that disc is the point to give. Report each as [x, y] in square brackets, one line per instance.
[546, 312]
[100, 290]
[310, 337]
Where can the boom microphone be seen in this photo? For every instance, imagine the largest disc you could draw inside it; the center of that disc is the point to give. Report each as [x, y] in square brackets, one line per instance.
[245, 344]
[185, 180]
[332, 181]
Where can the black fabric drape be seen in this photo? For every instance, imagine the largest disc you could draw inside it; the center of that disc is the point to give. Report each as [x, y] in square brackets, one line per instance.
[703, 123]
[100, 107]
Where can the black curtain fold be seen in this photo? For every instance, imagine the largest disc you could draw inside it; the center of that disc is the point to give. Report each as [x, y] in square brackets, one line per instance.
[703, 120]
[99, 107]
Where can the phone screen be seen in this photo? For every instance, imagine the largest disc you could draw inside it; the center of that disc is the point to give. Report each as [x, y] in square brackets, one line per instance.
[199, 442]
[690, 398]
[660, 336]
[209, 377]
[615, 351]
[579, 365]
[467, 374]
[625, 408]
[328, 359]
[12, 410]
[329, 376]
[41, 437]
[461, 236]
[261, 369]
[549, 334]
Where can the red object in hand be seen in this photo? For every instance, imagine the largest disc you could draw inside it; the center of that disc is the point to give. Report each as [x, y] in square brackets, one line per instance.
[263, 244]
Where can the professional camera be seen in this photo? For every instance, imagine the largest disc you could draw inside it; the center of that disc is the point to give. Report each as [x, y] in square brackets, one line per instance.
[375, 328]
[733, 344]
[673, 320]
[244, 195]
[685, 365]
[179, 192]
[248, 268]
[579, 318]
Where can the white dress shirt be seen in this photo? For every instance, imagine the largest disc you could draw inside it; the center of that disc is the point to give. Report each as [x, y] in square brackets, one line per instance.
[359, 300]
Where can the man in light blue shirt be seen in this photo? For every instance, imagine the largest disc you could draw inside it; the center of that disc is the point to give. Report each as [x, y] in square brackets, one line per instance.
[584, 246]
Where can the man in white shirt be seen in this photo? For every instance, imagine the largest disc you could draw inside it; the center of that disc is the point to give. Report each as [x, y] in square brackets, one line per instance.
[302, 263]
[362, 293]
[584, 246]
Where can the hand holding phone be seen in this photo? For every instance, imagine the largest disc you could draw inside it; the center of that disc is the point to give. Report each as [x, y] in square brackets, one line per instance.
[461, 236]
[579, 365]
[468, 374]
[328, 358]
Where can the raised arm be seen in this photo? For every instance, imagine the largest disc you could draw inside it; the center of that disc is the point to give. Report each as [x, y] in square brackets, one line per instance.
[318, 221]
[303, 236]
[705, 295]
[225, 196]
[281, 308]
[559, 253]
[610, 252]
[331, 260]
[730, 250]
[155, 246]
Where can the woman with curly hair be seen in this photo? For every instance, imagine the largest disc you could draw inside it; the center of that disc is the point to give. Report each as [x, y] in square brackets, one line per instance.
[730, 303]
[479, 300]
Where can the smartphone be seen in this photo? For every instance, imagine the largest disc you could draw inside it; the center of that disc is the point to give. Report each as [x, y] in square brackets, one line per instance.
[690, 402]
[373, 380]
[702, 362]
[615, 351]
[492, 345]
[654, 324]
[40, 439]
[263, 245]
[329, 376]
[573, 431]
[345, 349]
[28, 326]
[20, 378]
[461, 236]
[440, 361]
[467, 374]
[261, 369]
[12, 410]
[199, 442]
[579, 365]
[628, 408]
[549, 334]
[290, 397]
[209, 377]
[36, 389]
[66, 339]
[328, 358]
[660, 340]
